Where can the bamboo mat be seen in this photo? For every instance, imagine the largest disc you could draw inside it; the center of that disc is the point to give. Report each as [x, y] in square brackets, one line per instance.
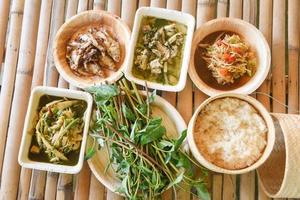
[27, 31]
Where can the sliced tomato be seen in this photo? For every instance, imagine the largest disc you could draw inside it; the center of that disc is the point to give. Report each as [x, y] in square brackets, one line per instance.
[229, 58]
[224, 72]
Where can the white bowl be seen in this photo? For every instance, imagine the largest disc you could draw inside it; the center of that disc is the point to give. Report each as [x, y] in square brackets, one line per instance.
[174, 124]
[172, 15]
[30, 122]
[253, 37]
[270, 135]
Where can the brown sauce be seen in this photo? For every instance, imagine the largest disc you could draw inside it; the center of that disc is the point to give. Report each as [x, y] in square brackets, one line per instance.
[206, 75]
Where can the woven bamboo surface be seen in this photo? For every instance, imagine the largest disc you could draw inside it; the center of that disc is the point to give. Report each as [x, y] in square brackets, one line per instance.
[27, 31]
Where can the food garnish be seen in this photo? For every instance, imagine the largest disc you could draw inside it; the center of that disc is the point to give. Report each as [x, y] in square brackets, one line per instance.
[59, 128]
[146, 161]
[90, 52]
[158, 52]
[229, 58]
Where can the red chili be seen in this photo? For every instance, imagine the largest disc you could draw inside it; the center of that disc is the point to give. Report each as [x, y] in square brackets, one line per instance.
[229, 58]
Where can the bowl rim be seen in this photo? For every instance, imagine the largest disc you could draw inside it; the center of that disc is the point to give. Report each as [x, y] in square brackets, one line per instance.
[261, 110]
[165, 14]
[110, 79]
[175, 117]
[246, 88]
[35, 95]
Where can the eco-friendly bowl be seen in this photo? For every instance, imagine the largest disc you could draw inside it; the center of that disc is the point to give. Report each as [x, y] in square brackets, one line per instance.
[270, 135]
[174, 124]
[251, 35]
[30, 123]
[171, 15]
[90, 18]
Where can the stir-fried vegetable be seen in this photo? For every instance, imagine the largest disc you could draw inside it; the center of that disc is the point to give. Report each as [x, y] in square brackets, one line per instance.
[59, 129]
[229, 58]
[145, 160]
[158, 51]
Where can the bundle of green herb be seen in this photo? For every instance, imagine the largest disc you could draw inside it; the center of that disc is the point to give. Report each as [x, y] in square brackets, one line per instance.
[145, 160]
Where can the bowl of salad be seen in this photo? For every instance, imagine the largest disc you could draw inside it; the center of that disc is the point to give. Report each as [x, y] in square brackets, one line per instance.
[229, 55]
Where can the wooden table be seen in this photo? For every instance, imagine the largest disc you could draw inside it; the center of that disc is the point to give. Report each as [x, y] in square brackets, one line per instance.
[25, 50]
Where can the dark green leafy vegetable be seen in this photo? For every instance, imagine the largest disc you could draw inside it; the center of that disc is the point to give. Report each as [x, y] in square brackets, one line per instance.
[145, 160]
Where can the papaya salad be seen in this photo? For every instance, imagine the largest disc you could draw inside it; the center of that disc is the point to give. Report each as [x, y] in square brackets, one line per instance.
[229, 58]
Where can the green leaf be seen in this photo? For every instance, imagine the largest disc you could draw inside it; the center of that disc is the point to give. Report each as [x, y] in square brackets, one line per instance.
[178, 178]
[90, 153]
[103, 93]
[153, 131]
[166, 145]
[128, 113]
[202, 191]
[179, 141]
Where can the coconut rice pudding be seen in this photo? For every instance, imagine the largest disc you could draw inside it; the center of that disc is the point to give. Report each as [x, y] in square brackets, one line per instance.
[230, 133]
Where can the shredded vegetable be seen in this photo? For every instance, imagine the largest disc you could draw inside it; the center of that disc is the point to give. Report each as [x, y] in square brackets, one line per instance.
[229, 58]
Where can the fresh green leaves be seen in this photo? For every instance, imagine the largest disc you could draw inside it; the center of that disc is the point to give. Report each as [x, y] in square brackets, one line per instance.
[90, 153]
[153, 131]
[145, 160]
[103, 93]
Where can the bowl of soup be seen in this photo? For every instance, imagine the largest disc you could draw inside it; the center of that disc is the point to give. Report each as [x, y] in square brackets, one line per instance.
[229, 55]
[159, 49]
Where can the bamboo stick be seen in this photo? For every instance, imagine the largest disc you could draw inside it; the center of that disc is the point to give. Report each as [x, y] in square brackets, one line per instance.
[37, 186]
[38, 178]
[247, 186]
[205, 11]
[217, 186]
[99, 4]
[229, 187]
[293, 53]
[97, 190]
[90, 4]
[9, 73]
[11, 168]
[65, 187]
[222, 8]
[82, 5]
[265, 26]
[57, 19]
[128, 12]
[250, 11]
[171, 96]
[278, 55]
[83, 183]
[144, 3]
[114, 6]
[51, 185]
[4, 11]
[236, 8]
[158, 3]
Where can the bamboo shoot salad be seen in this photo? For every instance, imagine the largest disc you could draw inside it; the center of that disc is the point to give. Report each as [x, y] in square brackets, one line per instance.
[58, 131]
